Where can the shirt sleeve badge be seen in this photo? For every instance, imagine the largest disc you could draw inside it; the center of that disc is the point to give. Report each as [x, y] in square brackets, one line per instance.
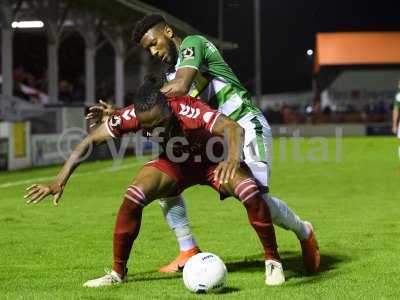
[115, 121]
[188, 53]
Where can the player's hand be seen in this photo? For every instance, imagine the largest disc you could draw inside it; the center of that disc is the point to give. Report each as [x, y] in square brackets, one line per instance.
[394, 129]
[166, 90]
[226, 170]
[98, 113]
[37, 192]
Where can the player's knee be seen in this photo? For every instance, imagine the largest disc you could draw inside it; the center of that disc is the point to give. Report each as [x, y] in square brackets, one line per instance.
[134, 193]
[229, 188]
[129, 207]
[245, 190]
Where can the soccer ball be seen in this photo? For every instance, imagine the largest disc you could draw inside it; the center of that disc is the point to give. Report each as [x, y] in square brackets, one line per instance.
[204, 273]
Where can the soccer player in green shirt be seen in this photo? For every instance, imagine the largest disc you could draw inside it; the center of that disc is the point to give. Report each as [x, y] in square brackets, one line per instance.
[197, 68]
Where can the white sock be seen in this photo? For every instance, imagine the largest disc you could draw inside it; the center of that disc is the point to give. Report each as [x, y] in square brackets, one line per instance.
[284, 217]
[185, 238]
[175, 213]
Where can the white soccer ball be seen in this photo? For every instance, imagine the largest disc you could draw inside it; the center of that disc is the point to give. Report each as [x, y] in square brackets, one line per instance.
[204, 273]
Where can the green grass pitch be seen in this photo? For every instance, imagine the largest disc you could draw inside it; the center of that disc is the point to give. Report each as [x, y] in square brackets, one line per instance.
[48, 252]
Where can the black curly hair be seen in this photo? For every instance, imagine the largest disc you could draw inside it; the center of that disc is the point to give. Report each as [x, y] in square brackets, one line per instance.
[143, 25]
[149, 95]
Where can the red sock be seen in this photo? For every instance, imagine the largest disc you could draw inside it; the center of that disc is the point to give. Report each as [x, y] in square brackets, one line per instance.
[127, 228]
[259, 216]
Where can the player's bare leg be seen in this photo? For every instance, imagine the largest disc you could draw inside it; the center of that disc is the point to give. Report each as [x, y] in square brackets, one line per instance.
[246, 190]
[175, 213]
[148, 185]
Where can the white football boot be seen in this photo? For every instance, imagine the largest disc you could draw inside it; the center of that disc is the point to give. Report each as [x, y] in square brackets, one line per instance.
[274, 273]
[111, 278]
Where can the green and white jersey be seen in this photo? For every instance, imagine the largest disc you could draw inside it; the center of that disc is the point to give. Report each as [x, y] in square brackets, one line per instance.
[215, 82]
[397, 99]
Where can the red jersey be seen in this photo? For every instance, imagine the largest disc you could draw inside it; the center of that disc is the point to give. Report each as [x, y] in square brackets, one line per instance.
[193, 119]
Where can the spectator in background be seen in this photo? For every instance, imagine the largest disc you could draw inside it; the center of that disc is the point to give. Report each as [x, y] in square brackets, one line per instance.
[64, 91]
[67, 93]
[26, 86]
[18, 78]
[289, 115]
[18, 74]
[395, 116]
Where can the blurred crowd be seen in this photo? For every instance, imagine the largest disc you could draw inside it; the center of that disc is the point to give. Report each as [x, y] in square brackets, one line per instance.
[315, 114]
[33, 88]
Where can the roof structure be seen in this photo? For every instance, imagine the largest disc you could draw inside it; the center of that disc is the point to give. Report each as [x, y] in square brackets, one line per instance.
[97, 22]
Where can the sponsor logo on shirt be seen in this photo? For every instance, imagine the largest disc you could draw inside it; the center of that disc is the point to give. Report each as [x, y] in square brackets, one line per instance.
[129, 114]
[189, 112]
[188, 53]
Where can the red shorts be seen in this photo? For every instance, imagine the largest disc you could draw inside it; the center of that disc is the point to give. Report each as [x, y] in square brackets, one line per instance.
[188, 173]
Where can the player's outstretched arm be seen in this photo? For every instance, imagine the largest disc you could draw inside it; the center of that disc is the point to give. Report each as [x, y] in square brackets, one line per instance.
[37, 192]
[180, 85]
[395, 119]
[99, 113]
[234, 135]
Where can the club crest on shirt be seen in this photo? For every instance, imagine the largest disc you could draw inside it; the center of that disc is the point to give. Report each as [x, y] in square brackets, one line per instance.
[188, 53]
[115, 121]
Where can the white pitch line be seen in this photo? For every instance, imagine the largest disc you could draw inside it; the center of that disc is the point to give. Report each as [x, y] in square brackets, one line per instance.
[105, 170]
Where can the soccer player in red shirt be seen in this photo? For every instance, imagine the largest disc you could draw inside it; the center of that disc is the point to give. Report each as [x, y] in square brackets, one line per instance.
[196, 68]
[188, 125]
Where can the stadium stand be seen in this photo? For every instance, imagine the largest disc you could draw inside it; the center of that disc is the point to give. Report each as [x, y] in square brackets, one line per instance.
[46, 104]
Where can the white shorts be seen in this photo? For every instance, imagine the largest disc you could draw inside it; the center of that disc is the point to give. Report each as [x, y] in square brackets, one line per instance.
[257, 149]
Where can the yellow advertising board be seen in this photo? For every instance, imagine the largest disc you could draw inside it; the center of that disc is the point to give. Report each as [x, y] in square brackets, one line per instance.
[19, 139]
